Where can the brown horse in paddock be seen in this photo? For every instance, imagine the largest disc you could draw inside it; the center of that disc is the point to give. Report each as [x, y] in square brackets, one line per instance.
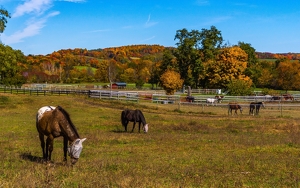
[256, 106]
[133, 116]
[235, 107]
[54, 122]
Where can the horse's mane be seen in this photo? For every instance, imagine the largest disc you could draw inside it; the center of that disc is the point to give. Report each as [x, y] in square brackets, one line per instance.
[141, 116]
[67, 116]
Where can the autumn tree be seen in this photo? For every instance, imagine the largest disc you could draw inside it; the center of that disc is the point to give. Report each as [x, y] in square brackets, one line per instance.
[230, 65]
[101, 74]
[265, 72]
[171, 82]
[288, 76]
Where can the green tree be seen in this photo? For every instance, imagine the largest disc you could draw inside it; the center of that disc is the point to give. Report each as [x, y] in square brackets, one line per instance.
[10, 72]
[252, 70]
[188, 56]
[194, 51]
[4, 14]
[239, 88]
[211, 41]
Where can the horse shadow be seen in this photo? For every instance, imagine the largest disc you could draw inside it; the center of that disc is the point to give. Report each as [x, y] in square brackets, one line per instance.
[29, 157]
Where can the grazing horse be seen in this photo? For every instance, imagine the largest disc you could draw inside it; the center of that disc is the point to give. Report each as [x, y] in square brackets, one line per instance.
[256, 106]
[55, 122]
[288, 97]
[133, 116]
[235, 107]
[219, 98]
[211, 101]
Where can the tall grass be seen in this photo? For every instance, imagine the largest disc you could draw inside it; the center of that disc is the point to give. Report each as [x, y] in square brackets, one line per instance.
[184, 148]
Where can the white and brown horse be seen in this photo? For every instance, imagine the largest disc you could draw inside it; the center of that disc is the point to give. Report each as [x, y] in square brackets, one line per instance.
[54, 122]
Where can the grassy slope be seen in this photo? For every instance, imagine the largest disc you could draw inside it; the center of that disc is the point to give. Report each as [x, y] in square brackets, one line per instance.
[184, 148]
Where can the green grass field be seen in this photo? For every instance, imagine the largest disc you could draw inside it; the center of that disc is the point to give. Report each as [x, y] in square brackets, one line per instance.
[185, 147]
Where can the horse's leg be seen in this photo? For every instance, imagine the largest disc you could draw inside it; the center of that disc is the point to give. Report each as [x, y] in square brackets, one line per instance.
[126, 123]
[139, 127]
[41, 136]
[49, 147]
[65, 148]
[133, 126]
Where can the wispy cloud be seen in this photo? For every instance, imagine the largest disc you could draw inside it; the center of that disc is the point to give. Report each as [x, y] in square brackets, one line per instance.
[74, 1]
[36, 7]
[37, 15]
[202, 2]
[98, 31]
[32, 28]
[216, 20]
[148, 39]
[149, 23]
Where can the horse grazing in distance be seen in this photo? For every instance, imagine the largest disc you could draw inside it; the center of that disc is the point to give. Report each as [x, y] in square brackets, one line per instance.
[219, 98]
[211, 101]
[133, 116]
[288, 97]
[235, 107]
[54, 122]
[256, 106]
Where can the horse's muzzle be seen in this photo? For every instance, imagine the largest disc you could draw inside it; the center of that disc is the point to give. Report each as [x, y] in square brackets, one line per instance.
[74, 160]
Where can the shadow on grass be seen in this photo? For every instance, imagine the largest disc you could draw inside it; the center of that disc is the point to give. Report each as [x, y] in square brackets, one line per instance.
[35, 159]
[29, 157]
[118, 131]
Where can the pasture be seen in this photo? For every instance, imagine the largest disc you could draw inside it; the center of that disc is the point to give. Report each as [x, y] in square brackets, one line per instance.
[185, 147]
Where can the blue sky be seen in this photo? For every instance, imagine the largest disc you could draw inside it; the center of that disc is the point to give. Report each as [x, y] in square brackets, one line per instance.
[44, 26]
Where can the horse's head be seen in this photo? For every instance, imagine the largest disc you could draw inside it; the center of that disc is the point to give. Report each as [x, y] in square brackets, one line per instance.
[146, 128]
[241, 109]
[263, 104]
[75, 149]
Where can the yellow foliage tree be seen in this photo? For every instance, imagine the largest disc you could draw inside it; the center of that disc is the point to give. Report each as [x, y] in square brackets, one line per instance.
[230, 64]
[170, 81]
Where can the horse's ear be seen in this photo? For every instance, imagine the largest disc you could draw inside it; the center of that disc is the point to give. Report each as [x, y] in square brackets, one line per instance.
[82, 140]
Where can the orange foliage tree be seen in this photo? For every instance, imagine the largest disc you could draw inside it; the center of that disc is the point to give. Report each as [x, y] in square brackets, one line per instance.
[230, 64]
[171, 81]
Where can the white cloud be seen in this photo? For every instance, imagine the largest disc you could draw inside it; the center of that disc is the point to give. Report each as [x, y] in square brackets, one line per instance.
[32, 6]
[149, 23]
[32, 29]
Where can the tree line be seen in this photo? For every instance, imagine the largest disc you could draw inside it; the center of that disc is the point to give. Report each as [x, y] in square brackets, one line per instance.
[200, 59]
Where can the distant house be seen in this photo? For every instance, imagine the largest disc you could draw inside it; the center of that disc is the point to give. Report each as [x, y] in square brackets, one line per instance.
[118, 85]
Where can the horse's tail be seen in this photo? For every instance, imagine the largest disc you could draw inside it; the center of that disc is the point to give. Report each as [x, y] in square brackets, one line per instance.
[123, 116]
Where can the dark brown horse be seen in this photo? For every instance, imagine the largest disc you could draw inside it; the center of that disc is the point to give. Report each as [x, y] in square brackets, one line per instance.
[235, 107]
[133, 116]
[54, 122]
[256, 106]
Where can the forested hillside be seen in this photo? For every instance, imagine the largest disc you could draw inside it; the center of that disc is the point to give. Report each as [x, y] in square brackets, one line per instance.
[127, 64]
